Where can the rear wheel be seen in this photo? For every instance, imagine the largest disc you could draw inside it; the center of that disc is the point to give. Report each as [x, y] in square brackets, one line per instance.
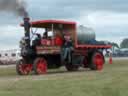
[97, 61]
[40, 66]
[22, 68]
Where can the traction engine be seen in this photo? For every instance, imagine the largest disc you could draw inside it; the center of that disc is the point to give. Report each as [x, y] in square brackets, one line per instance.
[60, 44]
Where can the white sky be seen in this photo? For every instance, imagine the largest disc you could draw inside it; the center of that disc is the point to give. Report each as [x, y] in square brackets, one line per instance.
[109, 18]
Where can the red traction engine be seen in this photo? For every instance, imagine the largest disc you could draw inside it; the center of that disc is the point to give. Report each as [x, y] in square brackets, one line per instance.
[61, 45]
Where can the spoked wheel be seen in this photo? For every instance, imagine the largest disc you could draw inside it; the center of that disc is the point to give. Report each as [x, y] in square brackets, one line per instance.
[71, 67]
[22, 68]
[40, 66]
[97, 61]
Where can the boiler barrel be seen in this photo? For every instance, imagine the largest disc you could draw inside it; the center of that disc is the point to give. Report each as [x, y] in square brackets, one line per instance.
[85, 35]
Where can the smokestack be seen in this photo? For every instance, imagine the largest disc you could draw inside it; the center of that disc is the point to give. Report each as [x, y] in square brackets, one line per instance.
[27, 30]
[18, 8]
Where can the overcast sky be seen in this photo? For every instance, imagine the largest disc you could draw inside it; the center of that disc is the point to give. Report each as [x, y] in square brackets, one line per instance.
[109, 18]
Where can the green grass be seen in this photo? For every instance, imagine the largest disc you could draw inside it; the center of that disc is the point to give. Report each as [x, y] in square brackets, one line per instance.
[112, 81]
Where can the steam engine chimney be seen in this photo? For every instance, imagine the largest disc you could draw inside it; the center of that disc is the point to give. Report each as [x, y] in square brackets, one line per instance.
[27, 31]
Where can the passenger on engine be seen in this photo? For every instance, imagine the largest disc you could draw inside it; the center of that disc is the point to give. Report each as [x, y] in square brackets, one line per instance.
[45, 35]
[67, 48]
[37, 40]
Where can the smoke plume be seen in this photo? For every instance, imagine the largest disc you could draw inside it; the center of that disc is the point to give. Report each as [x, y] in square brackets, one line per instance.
[16, 6]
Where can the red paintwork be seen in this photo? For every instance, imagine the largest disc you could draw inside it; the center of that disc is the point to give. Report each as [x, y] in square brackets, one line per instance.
[40, 22]
[41, 66]
[58, 41]
[48, 50]
[25, 68]
[51, 22]
[46, 42]
[93, 46]
[98, 60]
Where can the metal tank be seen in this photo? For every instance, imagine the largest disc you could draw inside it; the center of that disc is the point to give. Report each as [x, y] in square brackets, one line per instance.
[85, 35]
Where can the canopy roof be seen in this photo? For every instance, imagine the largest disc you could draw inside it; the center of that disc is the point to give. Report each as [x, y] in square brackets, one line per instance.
[48, 23]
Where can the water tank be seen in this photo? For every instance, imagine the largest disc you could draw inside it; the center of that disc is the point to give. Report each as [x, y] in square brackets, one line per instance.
[85, 35]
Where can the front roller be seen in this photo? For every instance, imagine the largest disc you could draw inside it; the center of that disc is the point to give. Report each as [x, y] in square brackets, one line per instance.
[23, 68]
[40, 66]
[97, 61]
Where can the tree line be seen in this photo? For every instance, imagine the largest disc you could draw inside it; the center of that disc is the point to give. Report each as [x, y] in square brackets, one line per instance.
[123, 44]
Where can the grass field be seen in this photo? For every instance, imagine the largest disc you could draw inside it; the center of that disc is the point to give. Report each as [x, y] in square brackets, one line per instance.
[112, 81]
